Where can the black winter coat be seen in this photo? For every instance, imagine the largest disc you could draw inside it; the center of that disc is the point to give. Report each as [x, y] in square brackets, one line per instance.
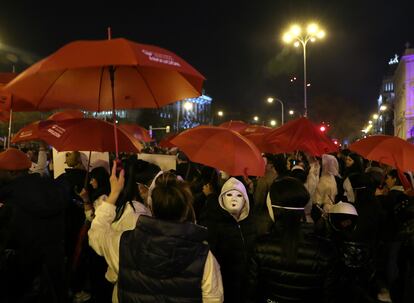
[162, 261]
[272, 279]
[34, 234]
[230, 242]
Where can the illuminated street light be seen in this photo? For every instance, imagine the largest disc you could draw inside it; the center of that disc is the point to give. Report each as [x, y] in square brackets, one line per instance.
[383, 108]
[188, 106]
[375, 116]
[369, 122]
[296, 35]
[220, 113]
[256, 118]
[273, 122]
[291, 112]
[271, 99]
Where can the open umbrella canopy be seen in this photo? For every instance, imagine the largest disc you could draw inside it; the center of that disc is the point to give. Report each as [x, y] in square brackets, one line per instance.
[235, 125]
[300, 134]
[256, 129]
[389, 150]
[79, 76]
[84, 134]
[138, 132]
[30, 132]
[221, 148]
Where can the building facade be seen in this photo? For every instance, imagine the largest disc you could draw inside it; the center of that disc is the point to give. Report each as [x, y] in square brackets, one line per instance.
[404, 96]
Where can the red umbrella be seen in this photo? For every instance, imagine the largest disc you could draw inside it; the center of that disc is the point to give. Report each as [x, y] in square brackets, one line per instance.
[107, 75]
[256, 129]
[83, 75]
[300, 134]
[30, 132]
[259, 140]
[166, 141]
[138, 132]
[389, 150]
[235, 125]
[221, 148]
[70, 134]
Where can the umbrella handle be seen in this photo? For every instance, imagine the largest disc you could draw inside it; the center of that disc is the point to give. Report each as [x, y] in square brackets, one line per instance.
[87, 170]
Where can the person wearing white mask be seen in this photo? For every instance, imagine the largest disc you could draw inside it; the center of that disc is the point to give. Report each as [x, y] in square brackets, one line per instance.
[230, 235]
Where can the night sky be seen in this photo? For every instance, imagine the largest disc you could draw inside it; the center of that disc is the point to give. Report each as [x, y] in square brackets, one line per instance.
[237, 46]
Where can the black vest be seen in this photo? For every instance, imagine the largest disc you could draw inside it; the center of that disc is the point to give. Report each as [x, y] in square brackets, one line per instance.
[162, 261]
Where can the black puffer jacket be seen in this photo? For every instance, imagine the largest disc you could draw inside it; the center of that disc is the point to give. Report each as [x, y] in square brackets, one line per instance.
[230, 242]
[271, 279]
[34, 233]
[162, 261]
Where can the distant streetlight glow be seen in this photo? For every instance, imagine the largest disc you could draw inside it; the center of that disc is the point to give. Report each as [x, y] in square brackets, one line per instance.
[256, 118]
[188, 106]
[369, 122]
[383, 108]
[273, 122]
[220, 113]
[296, 35]
[291, 112]
[270, 100]
[375, 116]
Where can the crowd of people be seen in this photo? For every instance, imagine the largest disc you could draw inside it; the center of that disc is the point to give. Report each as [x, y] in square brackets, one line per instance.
[338, 228]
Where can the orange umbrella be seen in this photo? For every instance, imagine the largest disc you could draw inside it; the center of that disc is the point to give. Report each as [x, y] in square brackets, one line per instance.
[256, 129]
[83, 75]
[235, 125]
[389, 150]
[107, 75]
[71, 134]
[138, 132]
[300, 134]
[30, 132]
[221, 148]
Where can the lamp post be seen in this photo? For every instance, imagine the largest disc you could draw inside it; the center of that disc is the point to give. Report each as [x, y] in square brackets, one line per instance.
[271, 99]
[296, 35]
[187, 106]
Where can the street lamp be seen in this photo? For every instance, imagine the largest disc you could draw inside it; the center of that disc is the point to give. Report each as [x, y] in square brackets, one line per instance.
[256, 118]
[273, 122]
[220, 113]
[270, 100]
[296, 35]
[187, 106]
[291, 112]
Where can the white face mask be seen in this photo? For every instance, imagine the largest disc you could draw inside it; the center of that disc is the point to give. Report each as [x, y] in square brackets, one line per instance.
[233, 201]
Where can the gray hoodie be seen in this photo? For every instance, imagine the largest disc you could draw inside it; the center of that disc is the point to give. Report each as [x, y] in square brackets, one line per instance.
[234, 184]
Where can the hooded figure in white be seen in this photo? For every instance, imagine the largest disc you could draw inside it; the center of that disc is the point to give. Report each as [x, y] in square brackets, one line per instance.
[234, 199]
[231, 235]
[327, 190]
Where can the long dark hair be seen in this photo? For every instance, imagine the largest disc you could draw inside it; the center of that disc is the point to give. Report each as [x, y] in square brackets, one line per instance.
[288, 192]
[102, 178]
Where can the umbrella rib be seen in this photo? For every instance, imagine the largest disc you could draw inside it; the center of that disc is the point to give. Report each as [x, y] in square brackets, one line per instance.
[149, 88]
[100, 88]
[49, 88]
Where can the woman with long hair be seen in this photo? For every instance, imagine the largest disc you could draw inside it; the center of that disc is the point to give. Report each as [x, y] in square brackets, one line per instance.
[166, 257]
[290, 263]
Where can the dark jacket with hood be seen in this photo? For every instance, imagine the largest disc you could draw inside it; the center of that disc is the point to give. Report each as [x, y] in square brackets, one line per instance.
[162, 261]
[230, 241]
[272, 279]
[34, 234]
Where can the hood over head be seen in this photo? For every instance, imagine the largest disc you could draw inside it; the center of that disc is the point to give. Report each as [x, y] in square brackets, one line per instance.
[234, 184]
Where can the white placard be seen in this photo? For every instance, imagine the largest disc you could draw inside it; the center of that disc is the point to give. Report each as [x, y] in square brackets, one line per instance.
[165, 162]
[97, 159]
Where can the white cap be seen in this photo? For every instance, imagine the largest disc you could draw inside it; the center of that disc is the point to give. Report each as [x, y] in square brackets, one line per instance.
[343, 208]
